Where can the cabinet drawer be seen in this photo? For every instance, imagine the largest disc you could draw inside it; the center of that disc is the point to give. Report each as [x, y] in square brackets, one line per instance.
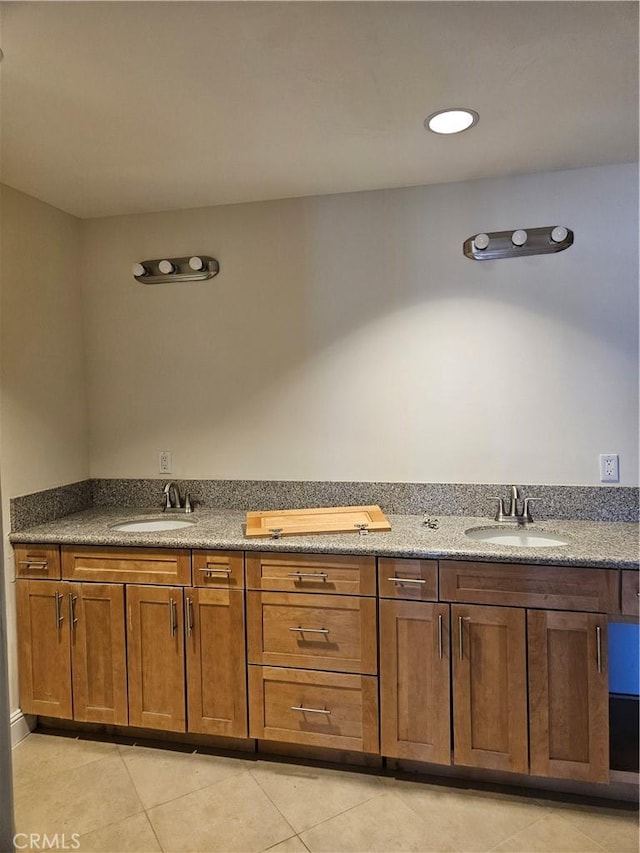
[630, 593]
[314, 708]
[127, 565]
[37, 561]
[312, 573]
[334, 632]
[410, 579]
[515, 585]
[218, 569]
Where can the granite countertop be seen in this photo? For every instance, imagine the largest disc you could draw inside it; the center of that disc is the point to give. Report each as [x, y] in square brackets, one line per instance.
[600, 544]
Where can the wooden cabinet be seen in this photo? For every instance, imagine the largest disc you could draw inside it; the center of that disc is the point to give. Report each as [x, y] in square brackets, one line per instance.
[313, 573]
[216, 662]
[414, 681]
[44, 649]
[568, 695]
[408, 579]
[489, 687]
[98, 653]
[328, 709]
[332, 632]
[72, 661]
[127, 565]
[155, 653]
[218, 569]
[37, 561]
[630, 593]
[515, 585]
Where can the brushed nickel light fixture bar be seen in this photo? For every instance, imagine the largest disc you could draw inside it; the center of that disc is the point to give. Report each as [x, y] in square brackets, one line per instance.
[515, 244]
[163, 270]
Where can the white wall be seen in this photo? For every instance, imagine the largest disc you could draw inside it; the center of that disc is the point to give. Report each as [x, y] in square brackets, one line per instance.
[347, 337]
[43, 418]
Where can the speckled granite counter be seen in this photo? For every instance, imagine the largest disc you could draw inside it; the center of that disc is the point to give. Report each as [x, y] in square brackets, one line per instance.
[602, 544]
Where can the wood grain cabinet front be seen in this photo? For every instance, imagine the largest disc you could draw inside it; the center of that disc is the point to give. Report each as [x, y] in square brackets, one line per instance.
[568, 695]
[324, 574]
[415, 580]
[72, 661]
[218, 569]
[155, 654]
[415, 684]
[216, 662]
[515, 585]
[489, 687]
[127, 565]
[331, 632]
[630, 593]
[326, 709]
[37, 561]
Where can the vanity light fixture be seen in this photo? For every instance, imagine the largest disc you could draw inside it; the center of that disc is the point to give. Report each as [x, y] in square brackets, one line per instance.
[513, 244]
[452, 120]
[190, 268]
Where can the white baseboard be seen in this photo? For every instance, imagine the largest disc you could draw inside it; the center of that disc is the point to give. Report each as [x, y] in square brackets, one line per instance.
[21, 726]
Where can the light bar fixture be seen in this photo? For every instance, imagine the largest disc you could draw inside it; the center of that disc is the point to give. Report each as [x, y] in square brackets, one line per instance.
[514, 244]
[163, 270]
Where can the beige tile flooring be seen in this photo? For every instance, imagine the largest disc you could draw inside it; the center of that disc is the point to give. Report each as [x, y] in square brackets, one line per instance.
[138, 798]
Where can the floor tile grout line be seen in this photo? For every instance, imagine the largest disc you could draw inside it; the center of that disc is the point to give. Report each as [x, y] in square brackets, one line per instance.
[339, 814]
[293, 829]
[530, 825]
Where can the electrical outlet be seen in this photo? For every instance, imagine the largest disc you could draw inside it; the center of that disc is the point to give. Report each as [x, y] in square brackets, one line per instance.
[164, 462]
[609, 468]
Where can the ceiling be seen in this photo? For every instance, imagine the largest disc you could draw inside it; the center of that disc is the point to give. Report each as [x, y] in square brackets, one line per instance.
[125, 107]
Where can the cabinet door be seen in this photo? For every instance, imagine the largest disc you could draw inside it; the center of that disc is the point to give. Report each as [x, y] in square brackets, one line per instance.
[155, 652]
[98, 652]
[489, 687]
[414, 681]
[568, 695]
[216, 668]
[44, 649]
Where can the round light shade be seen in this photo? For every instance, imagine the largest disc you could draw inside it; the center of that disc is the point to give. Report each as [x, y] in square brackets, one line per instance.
[139, 269]
[451, 121]
[166, 267]
[196, 263]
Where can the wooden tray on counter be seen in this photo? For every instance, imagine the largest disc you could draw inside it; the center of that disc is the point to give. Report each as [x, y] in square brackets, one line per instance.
[331, 519]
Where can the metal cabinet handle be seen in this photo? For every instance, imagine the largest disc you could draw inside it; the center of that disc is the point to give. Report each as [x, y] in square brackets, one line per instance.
[188, 613]
[460, 647]
[59, 616]
[599, 647]
[172, 617]
[314, 575]
[311, 710]
[41, 565]
[440, 651]
[406, 580]
[310, 630]
[215, 570]
[72, 610]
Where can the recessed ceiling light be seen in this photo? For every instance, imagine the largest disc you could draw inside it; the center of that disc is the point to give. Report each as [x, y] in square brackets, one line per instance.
[451, 121]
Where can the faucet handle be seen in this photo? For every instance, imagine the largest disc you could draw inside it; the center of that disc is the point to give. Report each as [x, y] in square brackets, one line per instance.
[526, 512]
[187, 503]
[500, 513]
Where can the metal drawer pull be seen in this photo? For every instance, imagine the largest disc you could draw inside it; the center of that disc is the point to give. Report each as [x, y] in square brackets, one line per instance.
[310, 630]
[35, 564]
[440, 635]
[172, 617]
[72, 610]
[311, 710]
[189, 615]
[599, 647]
[460, 648]
[314, 575]
[406, 580]
[59, 616]
[213, 570]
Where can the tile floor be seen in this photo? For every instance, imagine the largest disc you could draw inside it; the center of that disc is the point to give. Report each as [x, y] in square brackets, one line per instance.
[139, 798]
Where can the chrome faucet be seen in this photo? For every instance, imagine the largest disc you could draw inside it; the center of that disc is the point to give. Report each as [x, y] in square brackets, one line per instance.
[520, 515]
[172, 500]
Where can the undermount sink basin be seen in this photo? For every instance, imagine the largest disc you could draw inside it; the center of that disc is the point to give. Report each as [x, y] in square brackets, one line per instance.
[152, 525]
[516, 537]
